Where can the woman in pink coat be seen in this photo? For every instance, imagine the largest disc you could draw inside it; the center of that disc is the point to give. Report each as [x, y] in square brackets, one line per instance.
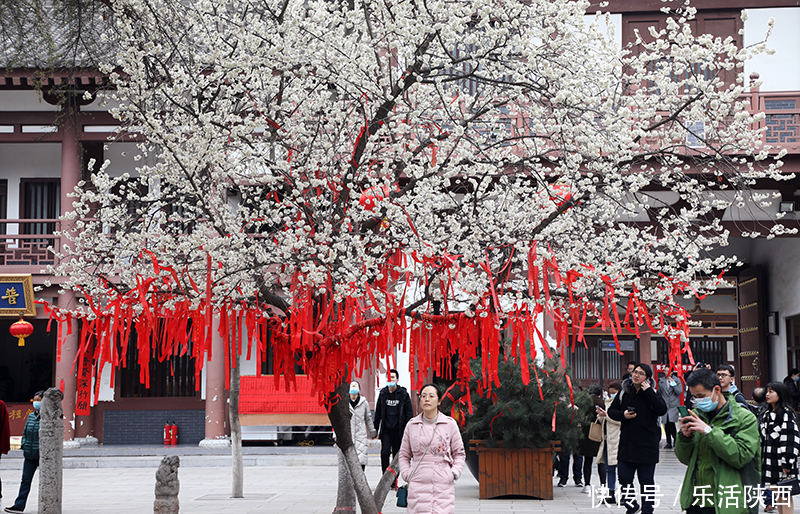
[431, 457]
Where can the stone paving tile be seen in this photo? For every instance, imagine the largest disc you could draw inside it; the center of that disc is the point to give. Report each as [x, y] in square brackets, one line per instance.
[293, 489]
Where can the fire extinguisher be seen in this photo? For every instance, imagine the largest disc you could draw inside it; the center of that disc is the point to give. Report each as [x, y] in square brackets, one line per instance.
[174, 433]
[167, 433]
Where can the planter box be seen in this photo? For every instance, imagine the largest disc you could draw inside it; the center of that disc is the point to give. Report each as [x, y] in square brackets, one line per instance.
[515, 471]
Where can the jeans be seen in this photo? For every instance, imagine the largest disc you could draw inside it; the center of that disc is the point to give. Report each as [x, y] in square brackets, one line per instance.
[563, 467]
[608, 474]
[28, 469]
[391, 439]
[646, 473]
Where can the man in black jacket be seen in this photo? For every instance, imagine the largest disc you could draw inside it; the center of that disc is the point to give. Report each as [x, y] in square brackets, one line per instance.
[392, 413]
[791, 382]
[638, 408]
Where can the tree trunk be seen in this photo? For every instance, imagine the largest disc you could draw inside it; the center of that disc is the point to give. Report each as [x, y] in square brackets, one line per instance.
[386, 483]
[340, 421]
[237, 476]
[345, 495]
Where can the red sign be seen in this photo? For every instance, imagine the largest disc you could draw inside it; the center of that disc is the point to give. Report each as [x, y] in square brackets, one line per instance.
[84, 399]
[663, 367]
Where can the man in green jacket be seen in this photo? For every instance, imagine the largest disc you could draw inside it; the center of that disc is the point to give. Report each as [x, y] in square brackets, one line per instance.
[719, 443]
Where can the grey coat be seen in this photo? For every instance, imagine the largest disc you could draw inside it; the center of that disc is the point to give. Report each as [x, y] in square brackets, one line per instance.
[360, 423]
[671, 396]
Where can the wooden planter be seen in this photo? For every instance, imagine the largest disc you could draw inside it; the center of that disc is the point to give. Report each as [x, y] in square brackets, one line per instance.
[515, 471]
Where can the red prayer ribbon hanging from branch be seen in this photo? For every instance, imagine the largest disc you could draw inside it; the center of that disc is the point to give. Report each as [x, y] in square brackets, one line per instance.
[327, 338]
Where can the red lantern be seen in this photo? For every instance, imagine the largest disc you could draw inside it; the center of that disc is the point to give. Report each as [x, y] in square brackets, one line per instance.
[21, 329]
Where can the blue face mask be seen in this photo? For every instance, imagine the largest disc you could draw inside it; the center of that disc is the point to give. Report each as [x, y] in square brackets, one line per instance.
[613, 396]
[354, 391]
[705, 404]
[796, 378]
[392, 384]
[37, 405]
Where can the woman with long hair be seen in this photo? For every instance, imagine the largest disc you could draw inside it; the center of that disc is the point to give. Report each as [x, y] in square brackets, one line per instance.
[431, 457]
[780, 444]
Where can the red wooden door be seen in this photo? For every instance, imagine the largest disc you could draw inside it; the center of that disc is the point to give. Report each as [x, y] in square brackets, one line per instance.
[753, 359]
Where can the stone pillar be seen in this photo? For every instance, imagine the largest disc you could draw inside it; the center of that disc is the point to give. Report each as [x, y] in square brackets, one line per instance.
[216, 395]
[51, 449]
[167, 486]
[70, 176]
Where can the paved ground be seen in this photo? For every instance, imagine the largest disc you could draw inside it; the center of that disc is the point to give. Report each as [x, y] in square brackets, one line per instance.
[281, 481]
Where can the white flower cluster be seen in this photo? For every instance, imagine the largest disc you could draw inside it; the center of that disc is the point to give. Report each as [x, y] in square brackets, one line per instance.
[306, 141]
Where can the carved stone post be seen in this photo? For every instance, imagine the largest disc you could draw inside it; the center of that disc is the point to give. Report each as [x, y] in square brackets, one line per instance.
[167, 486]
[51, 449]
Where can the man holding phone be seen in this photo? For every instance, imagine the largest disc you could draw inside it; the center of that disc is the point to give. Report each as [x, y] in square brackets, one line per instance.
[638, 408]
[719, 443]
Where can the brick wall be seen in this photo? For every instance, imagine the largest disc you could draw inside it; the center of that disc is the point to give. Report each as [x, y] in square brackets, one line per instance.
[147, 426]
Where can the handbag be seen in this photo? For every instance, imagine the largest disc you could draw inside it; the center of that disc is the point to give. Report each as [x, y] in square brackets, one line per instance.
[402, 496]
[792, 484]
[596, 432]
[402, 491]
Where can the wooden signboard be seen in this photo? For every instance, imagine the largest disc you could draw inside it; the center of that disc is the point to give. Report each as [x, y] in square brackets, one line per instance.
[16, 295]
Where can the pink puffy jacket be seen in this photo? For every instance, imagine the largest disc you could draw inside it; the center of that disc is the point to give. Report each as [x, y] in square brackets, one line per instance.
[431, 490]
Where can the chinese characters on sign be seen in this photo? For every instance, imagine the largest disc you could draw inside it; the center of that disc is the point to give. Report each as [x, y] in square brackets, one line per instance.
[18, 414]
[84, 385]
[727, 497]
[11, 296]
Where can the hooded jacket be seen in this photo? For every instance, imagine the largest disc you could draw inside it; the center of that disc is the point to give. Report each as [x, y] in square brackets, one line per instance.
[360, 427]
[404, 409]
[731, 451]
[639, 436]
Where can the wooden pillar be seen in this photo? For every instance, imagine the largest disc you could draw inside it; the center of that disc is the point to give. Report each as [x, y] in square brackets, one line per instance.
[66, 380]
[645, 355]
[216, 427]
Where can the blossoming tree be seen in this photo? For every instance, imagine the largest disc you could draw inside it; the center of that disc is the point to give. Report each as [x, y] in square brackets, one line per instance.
[323, 173]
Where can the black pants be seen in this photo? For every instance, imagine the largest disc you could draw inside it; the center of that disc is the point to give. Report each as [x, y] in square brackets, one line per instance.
[671, 431]
[390, 446]
[587, 470]
[700, 510]
[646, 473]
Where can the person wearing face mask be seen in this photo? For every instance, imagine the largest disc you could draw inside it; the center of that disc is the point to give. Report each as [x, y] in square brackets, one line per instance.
[30, 452]
[638, 410]
[607, 454]
[392, 413]
[780, 444]
[670, 389]
[718, 443]
[792, 383]
[360, 423]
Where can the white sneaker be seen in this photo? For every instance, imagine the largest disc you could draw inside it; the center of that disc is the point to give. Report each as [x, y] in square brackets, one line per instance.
[586, 489]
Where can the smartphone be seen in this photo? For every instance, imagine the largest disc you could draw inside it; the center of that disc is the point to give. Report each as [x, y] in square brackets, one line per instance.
[631, 408]
[683, 411]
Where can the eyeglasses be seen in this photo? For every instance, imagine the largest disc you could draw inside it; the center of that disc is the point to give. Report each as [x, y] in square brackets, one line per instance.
[640, 373]
[721, 375]
[428, 396]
